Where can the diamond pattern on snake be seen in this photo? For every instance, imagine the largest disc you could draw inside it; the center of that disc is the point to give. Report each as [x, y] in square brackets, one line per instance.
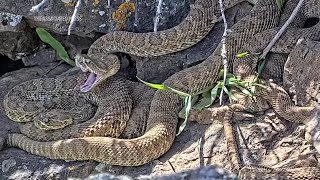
[97, 138]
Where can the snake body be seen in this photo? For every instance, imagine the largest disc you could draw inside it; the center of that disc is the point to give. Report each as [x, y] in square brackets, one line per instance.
[163, 118]
[202, 17]
[112, 112]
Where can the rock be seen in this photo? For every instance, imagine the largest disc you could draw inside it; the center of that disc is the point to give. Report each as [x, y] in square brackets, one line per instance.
[203, 173]
[2, 143]
[7, 164]
[15, 45]
[55, 16]
[8, 65]
[300, 76]
[43, 56]
[17, 164]
[11, 22]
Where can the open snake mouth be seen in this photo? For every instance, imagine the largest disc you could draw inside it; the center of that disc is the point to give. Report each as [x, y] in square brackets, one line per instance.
[91, 81]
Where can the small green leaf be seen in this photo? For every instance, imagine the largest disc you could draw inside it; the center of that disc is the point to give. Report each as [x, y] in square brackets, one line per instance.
[242, 55]
[205, 101]
[187, 105]
[231, 96]
[221, 72]
[194, 99]
[178, 92]
[244, 90]
[243, 83]
[280, 4]
[261, 66]
[46, 37]
[230, 75]
[231, 81]
[214, 93]
[260, 85]
[220, 84]
[164, 87]
[155, 86]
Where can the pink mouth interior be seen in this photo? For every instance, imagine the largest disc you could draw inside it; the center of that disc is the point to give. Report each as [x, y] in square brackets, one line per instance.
[90, 82]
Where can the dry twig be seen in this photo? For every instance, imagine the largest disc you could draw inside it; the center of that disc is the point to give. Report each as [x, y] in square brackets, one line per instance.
[158, 14]
[74, 16]
[223, 48]
[38, 7]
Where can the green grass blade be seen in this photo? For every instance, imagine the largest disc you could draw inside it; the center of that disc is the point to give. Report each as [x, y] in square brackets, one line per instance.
[46, 37]
[163, 87]
[155, 86]
[231, 96]
[229, 75]
[243, 83]
[214, 93]
[260, 85]
[187, 105]
[231, 81]
[261, 66]
[178, 92]
[244, 91]
[280, 4]
[221, 72]
[242, 55]
[194, 99]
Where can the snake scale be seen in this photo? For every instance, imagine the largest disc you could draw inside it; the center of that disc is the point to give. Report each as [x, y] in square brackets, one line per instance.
[260, 25]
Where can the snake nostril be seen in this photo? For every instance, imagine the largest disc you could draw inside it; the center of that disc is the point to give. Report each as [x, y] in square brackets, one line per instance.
[311, 22]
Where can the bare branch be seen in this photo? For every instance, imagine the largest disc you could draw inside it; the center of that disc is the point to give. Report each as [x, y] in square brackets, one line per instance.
[282, 30]
[136, 17]
[74, 16]
[223, 48]
[38, 7]
[158, 14]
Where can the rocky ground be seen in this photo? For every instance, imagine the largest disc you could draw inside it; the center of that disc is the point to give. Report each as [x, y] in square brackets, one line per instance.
[265, 139]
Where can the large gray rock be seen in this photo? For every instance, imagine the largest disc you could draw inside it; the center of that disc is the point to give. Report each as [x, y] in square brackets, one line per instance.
[55, 16]
[17, 41]
[301, 76]
[203, 173]
[15, 45]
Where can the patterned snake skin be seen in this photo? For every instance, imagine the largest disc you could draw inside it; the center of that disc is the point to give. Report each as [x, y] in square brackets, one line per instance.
[251, 34]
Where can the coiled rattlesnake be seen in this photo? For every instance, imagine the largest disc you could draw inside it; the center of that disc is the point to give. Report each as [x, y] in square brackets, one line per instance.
[162, 121]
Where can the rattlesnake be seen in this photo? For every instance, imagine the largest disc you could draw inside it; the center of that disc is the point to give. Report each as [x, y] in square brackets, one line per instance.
[164, 109]
[26, 101]
[197, 24]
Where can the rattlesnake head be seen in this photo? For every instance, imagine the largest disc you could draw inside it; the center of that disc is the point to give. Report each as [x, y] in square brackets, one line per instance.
[54, 119]
[101, 66]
